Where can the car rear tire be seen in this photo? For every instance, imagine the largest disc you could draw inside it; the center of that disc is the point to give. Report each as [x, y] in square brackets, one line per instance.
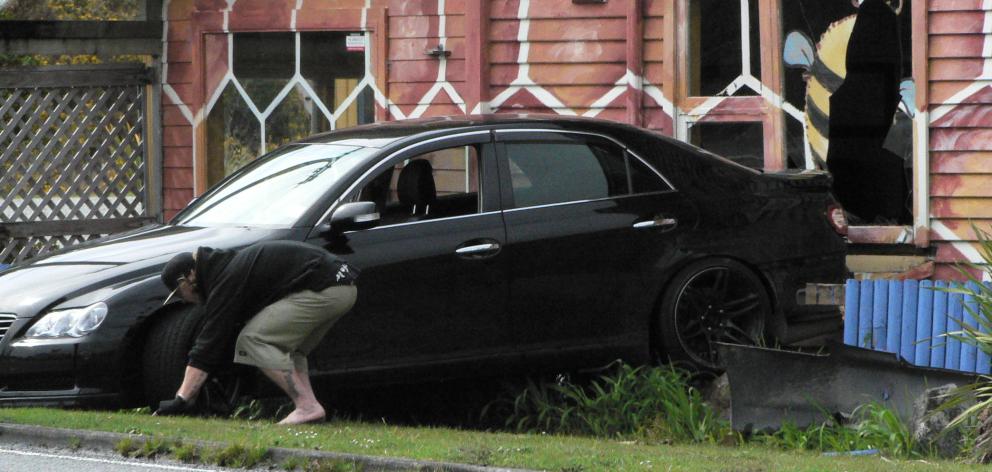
[164, 361]
[710, 301]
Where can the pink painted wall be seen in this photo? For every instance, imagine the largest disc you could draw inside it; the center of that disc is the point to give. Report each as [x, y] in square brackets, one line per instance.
[960, 106]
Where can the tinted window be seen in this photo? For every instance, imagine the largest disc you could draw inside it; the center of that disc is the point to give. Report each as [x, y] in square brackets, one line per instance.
[643, 179]
[545, 173]
[454, 173]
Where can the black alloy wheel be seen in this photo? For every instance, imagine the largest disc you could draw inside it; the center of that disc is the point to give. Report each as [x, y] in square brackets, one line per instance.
[711, 301]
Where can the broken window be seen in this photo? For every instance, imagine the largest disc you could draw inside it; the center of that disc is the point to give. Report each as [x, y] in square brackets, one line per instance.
[849, 73]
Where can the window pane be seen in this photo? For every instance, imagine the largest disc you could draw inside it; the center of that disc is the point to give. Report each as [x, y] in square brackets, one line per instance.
[291, 120]
[644, 179]
[334, 73]
[233, 135]
[716, 56]
[742, 143]
[545, 173]
[263, 64]
[455, 176]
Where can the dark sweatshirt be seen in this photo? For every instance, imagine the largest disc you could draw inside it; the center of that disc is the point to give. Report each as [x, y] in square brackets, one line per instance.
[237, 284]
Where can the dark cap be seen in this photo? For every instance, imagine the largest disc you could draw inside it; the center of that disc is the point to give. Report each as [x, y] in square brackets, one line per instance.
[180, 265]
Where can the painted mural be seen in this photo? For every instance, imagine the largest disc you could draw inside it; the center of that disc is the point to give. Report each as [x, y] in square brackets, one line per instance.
[858, 104]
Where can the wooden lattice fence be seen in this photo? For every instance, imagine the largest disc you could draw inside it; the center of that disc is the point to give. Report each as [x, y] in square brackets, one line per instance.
[73, 147]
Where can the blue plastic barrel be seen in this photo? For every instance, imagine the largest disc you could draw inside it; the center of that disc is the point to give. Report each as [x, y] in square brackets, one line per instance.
[879, 307]
[924, 323]
[984, 363]
[910, 297]
[864, 315]
[955, 313]
[893, 324]
[938, 345]
[852, 295]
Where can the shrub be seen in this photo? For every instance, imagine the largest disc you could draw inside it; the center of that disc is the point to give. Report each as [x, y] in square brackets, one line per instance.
[654, 403]
[872, 426]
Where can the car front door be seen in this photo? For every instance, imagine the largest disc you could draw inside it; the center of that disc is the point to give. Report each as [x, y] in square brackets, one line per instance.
[433, 281]
[584, 217]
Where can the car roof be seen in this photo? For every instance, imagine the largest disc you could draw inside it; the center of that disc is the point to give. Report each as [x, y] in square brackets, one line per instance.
[382, 134]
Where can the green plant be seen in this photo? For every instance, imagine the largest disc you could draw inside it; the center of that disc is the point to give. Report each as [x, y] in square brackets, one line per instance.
[150, 448]
[872, 426]
[125, 447]
[185, 452]
[480, 455]
[253, 410]
[332, 465]
[883, 429]
[236, 455]
[653, 403]
[293, 463]
[75, 442]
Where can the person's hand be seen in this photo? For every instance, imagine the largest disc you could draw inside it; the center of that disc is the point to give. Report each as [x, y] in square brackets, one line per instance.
[176, 406]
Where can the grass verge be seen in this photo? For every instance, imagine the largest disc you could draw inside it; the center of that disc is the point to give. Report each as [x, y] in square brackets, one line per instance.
[530, 451]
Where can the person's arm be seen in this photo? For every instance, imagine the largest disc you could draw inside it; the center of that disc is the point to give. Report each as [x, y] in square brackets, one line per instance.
[192, 381]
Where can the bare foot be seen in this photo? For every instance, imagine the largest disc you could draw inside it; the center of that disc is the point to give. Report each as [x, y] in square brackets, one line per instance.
[300, 416]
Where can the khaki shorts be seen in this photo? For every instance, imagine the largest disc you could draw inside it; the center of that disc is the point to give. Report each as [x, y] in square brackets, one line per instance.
[281, 335]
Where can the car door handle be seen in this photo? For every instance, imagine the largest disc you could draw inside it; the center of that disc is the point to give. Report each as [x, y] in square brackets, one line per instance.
[479, 249]
[667, 223]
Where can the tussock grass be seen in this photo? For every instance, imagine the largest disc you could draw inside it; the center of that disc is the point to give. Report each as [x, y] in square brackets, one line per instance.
[647, 403]
[872, 426]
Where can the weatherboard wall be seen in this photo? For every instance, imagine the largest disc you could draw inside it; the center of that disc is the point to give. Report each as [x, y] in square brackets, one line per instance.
[617, 60]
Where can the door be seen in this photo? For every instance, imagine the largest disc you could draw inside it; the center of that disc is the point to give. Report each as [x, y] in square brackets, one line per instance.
[582, 217]
[433, 279]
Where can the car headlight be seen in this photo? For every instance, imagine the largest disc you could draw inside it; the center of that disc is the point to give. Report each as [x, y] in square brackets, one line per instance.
[69, 323]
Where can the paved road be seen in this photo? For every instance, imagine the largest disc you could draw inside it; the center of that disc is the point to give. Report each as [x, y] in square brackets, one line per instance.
[25, 459]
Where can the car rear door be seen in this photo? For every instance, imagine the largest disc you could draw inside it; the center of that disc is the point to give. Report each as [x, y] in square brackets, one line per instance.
[433, 281]
[585, 219]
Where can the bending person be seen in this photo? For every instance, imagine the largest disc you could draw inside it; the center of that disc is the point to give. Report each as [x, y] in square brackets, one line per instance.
[287, 294]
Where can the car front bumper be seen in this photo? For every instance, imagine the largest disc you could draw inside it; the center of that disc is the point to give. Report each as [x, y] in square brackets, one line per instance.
[59, 372]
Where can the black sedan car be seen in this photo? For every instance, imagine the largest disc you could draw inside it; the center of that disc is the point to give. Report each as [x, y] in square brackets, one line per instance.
[495, 244]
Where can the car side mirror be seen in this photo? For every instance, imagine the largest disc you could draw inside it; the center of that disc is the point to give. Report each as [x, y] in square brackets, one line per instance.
[351, 217]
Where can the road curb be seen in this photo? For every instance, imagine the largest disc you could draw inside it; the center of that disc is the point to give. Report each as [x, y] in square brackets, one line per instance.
[45, 437]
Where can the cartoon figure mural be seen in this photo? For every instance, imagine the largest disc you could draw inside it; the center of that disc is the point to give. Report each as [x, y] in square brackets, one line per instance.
[854, 83]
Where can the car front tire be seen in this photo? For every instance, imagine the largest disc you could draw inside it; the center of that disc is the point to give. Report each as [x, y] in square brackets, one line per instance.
[164, 362]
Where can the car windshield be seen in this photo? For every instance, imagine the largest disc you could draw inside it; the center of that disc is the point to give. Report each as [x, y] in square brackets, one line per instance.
[277, 189]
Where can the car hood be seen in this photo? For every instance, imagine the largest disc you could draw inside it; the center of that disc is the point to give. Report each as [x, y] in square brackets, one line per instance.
[61, 277]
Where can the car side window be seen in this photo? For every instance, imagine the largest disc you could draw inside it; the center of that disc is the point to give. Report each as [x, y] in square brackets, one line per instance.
[437, 184]
[555, 172]
[643, 179]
